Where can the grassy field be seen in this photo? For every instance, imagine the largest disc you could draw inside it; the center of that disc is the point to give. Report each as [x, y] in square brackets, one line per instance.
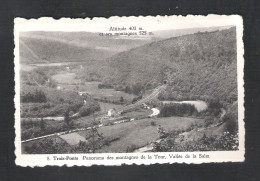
[140, 132]
[137, 113]
[104, 107]
[66, 78]
[68, 81]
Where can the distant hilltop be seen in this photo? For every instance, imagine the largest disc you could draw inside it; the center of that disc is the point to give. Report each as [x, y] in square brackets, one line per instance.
[53, 47]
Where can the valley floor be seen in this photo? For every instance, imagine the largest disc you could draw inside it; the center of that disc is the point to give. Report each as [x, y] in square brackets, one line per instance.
[135, 130]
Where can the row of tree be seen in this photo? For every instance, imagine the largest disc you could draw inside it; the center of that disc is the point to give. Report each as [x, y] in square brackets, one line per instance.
[175, 109]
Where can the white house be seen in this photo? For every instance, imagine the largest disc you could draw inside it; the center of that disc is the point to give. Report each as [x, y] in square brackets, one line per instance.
[111, 112]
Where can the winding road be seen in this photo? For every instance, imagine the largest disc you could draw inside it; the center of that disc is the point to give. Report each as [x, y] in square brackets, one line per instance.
[153, 95]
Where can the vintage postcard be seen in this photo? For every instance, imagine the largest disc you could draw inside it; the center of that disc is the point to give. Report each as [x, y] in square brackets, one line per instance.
[129, 90]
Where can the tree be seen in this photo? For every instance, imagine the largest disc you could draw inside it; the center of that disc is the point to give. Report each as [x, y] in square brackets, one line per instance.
[162, 133]
[94, 141]
[42, 125]
[121, 99]
[67, 118]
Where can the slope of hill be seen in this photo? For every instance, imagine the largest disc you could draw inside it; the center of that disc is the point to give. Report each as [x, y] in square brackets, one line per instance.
[201, 64]
[43, 47]
[34, 50]
[165, 34]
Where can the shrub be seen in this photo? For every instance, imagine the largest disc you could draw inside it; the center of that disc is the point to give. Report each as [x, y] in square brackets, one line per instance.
[109, 124]
[67, 119]
[48, 146]
[155, 103]
[153, 123]
[131, 148]
[105, 86]
[227, 141]
[95, 141]
[121, 99]
[89, 108]
[136, 99]
[34, 95]
[208, 122]
[162, 133]
[42, 125]
[231, 123]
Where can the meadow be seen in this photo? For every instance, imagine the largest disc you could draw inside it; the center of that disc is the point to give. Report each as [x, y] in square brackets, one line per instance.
[69, 81]
[141, 132]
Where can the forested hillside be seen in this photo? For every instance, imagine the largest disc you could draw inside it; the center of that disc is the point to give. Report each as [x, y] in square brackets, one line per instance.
[195, 66]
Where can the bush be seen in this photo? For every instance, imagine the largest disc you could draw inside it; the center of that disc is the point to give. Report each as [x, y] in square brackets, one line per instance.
[48, 146]
[131, 148]
[225, 142]
[214, 108]
[136, 99]
[89, 108]
[105, 86]
[55, 102]
[36, 128]
[231, 123]
[162, 133]
[67, 119]
[153, 123]
[95, 141]
[155, 103]
[34, 95]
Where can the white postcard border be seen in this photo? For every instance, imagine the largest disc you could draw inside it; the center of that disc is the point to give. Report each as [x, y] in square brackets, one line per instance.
[67, 24]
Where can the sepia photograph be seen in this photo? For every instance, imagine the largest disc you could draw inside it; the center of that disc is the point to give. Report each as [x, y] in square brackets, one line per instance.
[149, 86]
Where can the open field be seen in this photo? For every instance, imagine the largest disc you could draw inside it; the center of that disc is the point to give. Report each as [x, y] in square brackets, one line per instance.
[106, 106]
[140, 132]
[68, 81]
[66, 78]
[137, 113]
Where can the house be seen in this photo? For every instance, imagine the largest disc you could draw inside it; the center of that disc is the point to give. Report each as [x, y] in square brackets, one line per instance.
[111, 112]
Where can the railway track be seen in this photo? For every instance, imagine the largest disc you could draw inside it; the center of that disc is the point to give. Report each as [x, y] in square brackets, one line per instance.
[153, 95]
